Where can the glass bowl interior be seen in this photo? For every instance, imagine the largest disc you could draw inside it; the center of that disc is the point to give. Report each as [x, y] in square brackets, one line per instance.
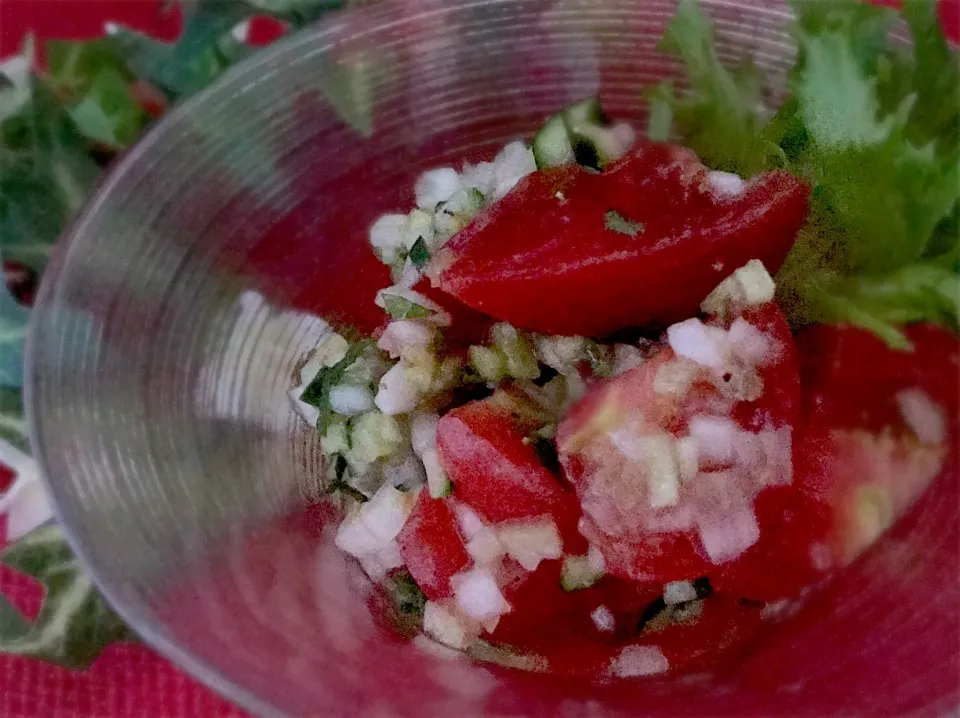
[172, 317]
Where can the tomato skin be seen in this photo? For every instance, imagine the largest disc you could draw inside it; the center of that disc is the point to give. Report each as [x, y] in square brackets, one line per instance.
[662, 556]
[543, 258]
[432, 547]
[494, 471]
[779, 404]
[467, 326]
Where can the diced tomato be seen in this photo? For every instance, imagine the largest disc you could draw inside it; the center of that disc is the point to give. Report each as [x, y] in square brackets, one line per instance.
[723, 627]
[496, 472]
[537, 601]
[542, 610]
[610, 438]
[784, 559]
[654, 556]
[468, 326]
[704, 641]
[557, 626]
[779, 403]
[857, 464]
[879, 426]
[548, 256]
[432, 547]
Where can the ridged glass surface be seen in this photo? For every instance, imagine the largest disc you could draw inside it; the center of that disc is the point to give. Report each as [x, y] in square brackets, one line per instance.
[171, 320]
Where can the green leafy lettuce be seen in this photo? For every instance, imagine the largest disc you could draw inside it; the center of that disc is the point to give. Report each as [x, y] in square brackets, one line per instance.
[74, 623]
[873, 126]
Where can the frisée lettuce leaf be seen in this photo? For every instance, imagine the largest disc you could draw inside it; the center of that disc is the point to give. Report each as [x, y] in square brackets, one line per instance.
[873, 126]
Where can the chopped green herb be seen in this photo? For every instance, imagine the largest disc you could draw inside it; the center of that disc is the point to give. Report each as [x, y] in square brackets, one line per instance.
[489, 363]
[406, 593]
[402, 308]
[317, 393]
[419, 254]
[406, 602]
[616, 222]
[546, 450]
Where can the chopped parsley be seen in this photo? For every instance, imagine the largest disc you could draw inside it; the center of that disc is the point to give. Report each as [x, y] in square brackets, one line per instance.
[317, 393]
[402, 308]
[616, 222]
[419, 255]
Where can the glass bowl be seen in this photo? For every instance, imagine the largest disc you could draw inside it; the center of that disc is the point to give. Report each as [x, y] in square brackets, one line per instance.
[171, 319]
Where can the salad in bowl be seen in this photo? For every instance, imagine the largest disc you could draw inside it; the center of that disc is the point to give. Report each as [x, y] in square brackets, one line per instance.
[638, 392]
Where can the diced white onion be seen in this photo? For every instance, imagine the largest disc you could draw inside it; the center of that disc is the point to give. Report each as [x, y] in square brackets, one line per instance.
[701, 344]
[560, 353]
[674, 378]
[513, 163]
[656, 454]
[715, 438]
[625, 358]
[436, 186]
[923, 416]
[330, 350]
[749, 343]
[595, 559]
[423, 431]
[530, 542]
[663, 473]
[470, 524]
[726, 184]
[624, 135]
[679, 592]
[438, 482]
[305, 411]
[582, 571]
[481, 177]
[445, 626]
[398, 393]
[639, 661]
[603, 619]
[376, 523]
[351, 400]
[386, 236]
[403, 335]
[484, 547]
[688, 460]
[478, 595]
[377, 565]
[407, 474]
[749, 286]
[725, 516]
